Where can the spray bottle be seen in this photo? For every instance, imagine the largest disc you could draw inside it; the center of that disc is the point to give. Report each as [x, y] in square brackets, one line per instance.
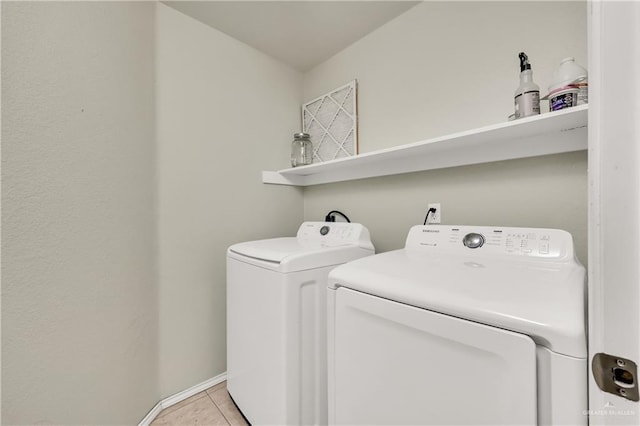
[527, 96]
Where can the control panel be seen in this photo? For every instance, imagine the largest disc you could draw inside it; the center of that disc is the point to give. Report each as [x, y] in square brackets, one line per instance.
[328, 234]
[531, 242]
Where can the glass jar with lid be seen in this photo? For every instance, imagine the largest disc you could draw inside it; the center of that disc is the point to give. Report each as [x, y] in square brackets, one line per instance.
[301, 150]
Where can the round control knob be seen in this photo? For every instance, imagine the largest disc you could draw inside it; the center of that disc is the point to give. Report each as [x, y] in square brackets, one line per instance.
[324, 230]
[473, 240]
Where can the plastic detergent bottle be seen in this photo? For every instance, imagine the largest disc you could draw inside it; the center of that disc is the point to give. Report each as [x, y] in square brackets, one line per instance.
[569, 87]
[527, 96]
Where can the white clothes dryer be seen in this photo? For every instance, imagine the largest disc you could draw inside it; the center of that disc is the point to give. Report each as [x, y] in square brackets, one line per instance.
[276, 320]
[465, 325]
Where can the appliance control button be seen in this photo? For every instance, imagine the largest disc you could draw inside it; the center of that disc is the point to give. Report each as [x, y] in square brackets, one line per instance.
[473, 240]
[324, 230]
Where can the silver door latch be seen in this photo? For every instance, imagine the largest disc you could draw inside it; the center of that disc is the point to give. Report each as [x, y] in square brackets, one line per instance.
[616, 375]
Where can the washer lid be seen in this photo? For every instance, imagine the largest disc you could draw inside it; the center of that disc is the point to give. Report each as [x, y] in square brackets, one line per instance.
[318, 244]
[291, 255]
[274, 250]
[545, 300]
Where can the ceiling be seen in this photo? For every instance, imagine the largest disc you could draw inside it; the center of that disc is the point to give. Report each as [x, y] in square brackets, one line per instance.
[302, 34]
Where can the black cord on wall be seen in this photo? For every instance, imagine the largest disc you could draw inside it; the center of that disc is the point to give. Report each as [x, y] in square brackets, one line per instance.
[331, 216]
[430, 211]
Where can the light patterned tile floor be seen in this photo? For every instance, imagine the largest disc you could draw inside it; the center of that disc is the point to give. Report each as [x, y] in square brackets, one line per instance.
[209, 407]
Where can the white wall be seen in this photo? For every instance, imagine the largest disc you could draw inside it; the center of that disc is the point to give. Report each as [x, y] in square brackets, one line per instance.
[79, 302]
[225, 112]
[444, 67]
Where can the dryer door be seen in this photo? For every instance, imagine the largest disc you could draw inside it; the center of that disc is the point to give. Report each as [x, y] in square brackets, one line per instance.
[397, 364]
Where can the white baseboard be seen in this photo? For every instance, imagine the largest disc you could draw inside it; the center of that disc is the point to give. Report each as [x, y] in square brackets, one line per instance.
[181, 396]
[151, 415]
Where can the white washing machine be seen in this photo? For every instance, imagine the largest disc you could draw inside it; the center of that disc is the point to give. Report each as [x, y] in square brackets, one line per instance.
[276, 320]
[465, 325]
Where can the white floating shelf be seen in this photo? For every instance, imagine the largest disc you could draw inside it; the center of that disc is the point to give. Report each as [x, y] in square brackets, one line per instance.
[551, 133]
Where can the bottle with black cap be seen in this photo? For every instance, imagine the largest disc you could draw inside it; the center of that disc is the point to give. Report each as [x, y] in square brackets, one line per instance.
[527, 96]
